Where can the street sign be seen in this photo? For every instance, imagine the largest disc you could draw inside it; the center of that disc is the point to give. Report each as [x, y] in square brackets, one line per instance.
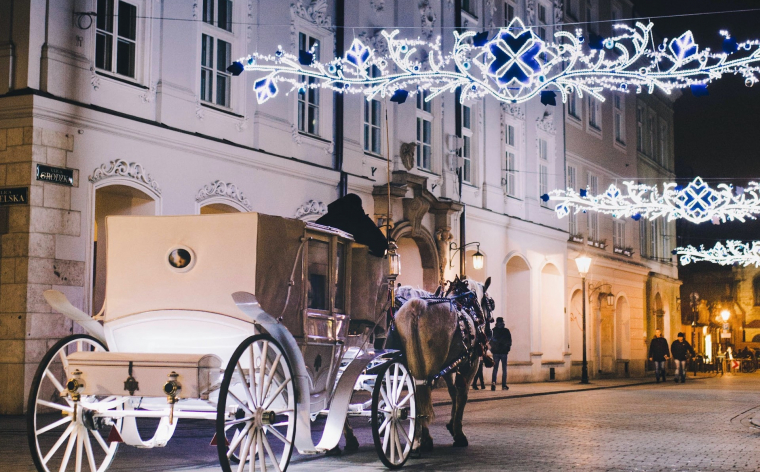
[14, 196]
[55, 175]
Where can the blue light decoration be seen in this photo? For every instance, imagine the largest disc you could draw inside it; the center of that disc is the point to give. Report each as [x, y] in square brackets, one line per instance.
[513, 66]
[733, 252]
[697, 202]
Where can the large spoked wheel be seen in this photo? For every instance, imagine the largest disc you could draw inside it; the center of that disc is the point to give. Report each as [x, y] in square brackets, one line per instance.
[256, 412]
[63, 434]
[394, 414]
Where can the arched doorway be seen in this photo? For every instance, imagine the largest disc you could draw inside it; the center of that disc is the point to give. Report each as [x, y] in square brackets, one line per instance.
[576, 325]
[606, 335]
[623, 329]
[551, 313]
[111, 200]
[411, 264]
[517, 306]
[217, 208]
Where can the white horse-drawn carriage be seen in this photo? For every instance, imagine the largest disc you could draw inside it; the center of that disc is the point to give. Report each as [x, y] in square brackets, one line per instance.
[241, 319]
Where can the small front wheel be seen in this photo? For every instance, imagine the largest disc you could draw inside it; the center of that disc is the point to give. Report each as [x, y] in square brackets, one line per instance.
[256, 413]
[394, 414]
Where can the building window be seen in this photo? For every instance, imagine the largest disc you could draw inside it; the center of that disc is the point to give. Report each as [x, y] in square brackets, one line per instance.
[619, 111]
[469, 7]
[372, 118]
[594, 113]
[618, 233]
[572, 181]
[216, 52]
[218, 13]
[652, 136]
[593, 217]
[424, 131]
[572, 105]
[466, 144]
[640, 128]
[543, 183]
[541, 22]
[663, 137]
[510, 179]
[308, 97]
[116, 48]
[509, 12]
[756, 290]
[653, 240]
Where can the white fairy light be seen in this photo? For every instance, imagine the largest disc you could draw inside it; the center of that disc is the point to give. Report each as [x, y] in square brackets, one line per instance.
[513, 66]
[697, 202]
[734, 252]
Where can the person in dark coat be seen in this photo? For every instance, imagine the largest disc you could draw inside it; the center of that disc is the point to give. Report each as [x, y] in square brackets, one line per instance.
[681, 350]
[659, 353]
[479, 376]
[501, 343]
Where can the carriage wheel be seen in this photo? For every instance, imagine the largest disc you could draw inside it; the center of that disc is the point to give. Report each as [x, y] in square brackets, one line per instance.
[394, 414]
[256, 413]
[64, 435]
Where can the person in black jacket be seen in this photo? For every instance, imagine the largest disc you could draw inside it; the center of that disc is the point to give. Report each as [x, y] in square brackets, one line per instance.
[501, 343]
[659, 353]
[681, 350]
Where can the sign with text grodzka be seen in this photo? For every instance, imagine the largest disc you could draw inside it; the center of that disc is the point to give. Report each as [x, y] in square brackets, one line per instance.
[14, 196]
[55, 175]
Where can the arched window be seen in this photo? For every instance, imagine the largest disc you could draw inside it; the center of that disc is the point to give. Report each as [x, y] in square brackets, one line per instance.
[756, 290]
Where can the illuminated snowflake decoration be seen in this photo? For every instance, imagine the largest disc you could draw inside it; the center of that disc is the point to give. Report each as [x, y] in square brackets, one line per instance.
[514, 65]
[734, 252]
[697, 202]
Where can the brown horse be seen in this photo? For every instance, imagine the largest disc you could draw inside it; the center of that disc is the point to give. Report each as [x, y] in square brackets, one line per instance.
[432, 340]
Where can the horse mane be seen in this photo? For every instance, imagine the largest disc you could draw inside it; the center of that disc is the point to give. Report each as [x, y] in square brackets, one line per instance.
[407, 292]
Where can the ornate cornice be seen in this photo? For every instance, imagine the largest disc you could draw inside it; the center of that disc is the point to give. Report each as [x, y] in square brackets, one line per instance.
[315, 13]
[122, 168]
[312, 209]
[220, 188]
[515, 111]
[546, 123]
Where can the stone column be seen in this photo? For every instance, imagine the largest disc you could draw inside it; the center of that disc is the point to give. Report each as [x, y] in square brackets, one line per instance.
[28, 262]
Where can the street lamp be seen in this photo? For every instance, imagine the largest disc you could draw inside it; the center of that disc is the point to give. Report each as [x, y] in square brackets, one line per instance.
[477, 258]
[584, 264]
[725, 315]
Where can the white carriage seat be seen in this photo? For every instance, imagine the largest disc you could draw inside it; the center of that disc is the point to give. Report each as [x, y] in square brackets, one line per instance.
[159, 301]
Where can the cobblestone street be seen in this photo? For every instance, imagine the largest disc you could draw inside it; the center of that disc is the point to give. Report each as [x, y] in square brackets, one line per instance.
[700, 426]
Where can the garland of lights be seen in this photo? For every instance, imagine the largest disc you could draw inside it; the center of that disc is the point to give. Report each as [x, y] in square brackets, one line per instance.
[734, 252]
[697, 202]
[513, 66]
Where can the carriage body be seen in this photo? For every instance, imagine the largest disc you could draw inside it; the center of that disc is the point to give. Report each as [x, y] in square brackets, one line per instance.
[170, 316]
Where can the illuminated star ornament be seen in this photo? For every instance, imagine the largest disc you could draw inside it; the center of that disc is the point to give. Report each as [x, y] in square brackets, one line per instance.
[697, 202]
[734, 252]
[514, 65]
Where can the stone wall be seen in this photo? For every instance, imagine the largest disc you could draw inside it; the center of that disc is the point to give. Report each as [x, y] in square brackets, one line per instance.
[28, 263]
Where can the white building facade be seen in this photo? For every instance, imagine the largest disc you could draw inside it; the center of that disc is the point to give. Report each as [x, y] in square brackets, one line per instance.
[136, 100]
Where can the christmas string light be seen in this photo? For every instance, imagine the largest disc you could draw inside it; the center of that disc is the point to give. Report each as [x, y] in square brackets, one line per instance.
[734, 252]
[697, 202]
[514, 65]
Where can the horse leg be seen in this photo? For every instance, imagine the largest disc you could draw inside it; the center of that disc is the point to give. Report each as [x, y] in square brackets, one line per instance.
[462, 384]
[425, 409]
[352, 444]
[453, 394]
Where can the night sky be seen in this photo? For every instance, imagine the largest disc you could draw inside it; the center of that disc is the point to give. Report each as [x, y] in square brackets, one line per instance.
[716, 137]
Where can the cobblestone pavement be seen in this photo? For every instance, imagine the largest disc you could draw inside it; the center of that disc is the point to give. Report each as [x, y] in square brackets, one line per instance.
[700, 426]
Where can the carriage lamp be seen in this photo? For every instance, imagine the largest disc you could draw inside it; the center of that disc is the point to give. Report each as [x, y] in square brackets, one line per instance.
[75, 385]
[394, 260]
[171, 389]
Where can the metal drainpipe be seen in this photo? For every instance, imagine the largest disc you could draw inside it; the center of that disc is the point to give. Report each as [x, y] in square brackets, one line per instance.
[458, 127]
[340, 21]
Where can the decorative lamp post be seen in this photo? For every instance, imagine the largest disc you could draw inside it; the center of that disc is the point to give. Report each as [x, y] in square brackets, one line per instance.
[584, 264]
[477, 258]
[725, 315]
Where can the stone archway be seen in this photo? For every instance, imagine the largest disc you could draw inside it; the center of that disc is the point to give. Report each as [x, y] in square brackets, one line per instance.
[428, 252]
[518, 307]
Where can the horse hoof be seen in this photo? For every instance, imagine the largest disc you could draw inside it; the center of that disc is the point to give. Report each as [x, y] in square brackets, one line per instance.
[451, 430]
[334, 452]
[426, 445]
[461, 441]
[352, 445]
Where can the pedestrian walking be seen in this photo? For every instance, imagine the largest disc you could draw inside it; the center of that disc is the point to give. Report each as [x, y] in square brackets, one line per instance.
[681, 351]
[479, 376]
[501, 343]
[659, 353]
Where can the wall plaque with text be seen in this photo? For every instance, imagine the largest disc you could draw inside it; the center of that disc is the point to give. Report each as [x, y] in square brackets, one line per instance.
[56, 175]
[14, 196]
